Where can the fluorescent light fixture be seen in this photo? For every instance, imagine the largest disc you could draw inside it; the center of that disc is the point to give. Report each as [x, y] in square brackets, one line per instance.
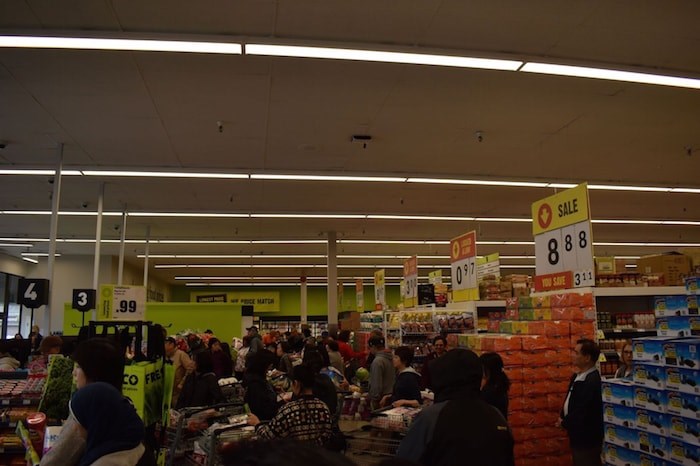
[336, 216]
[388, 241]
[233, 256]
[137, 45]
[613, 187]
[522, 184]
[652, 245]
[188, 214]
[75, 213]
[506, 243]
[418, 217]
[38, 254]
[503, 219]
[39, 172]
[381, 56]
[612, 75]
[29, 259]
[515, 266]
[271, 176]
[164, 174]
[16, 245]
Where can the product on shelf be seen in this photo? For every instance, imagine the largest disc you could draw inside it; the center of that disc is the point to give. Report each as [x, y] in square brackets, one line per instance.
[454, 321]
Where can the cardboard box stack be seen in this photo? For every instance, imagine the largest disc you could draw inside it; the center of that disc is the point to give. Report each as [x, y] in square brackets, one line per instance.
[655, 418]
[535, 343]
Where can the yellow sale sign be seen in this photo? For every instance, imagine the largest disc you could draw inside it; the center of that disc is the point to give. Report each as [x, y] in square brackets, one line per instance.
[560, 210]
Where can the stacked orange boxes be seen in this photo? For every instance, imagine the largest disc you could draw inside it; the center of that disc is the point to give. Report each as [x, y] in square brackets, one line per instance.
[535, 344]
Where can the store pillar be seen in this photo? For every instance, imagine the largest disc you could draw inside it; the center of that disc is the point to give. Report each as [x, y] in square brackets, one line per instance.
[332, 282]
[303, 304]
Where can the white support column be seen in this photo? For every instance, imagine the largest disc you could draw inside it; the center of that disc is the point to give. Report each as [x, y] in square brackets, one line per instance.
[55, 202]
[303, 306]
[332, 282]
[120, 273]
[145, 257]
[98, 243]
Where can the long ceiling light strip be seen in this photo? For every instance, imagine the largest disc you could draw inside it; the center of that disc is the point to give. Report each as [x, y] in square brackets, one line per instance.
[137, 45]
[352, 178]
[611, 75]
[340, 216]
[381, 56]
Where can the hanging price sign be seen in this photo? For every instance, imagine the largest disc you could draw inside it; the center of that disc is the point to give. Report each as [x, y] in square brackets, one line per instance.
[119, 302]
[359, 295]
[563, 245]
[465, 286]
[379, 291]
[410, 276]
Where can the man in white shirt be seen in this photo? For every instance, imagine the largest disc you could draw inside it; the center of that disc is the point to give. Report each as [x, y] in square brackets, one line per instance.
[582, 413]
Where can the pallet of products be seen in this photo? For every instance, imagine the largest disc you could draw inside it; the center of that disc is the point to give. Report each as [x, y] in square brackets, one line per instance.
[655, 418]
[536, 334]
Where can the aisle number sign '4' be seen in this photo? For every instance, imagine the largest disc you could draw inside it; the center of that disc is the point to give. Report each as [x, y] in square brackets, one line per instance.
[410, 276]
[563, 245]
[465, 286]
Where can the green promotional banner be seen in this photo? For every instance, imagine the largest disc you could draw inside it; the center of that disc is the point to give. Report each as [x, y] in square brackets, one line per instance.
[143, 385]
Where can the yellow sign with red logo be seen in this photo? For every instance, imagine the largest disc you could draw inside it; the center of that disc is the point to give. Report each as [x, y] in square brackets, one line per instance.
[465, 286]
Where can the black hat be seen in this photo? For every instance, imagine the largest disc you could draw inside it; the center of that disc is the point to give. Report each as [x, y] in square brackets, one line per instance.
[376, 342]
[458, 368]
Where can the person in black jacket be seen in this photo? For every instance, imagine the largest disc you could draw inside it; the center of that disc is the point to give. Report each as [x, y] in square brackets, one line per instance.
[582, 414]
[441, 435]
[407, 385]
[201, 388]
[495, 385]
[259, 394]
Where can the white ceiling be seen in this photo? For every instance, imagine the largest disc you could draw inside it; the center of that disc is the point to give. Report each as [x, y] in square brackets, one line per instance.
[143, 110]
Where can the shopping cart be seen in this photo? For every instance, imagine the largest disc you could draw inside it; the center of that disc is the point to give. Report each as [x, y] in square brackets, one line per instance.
[233, 392]
[196, 434]
[371, 447]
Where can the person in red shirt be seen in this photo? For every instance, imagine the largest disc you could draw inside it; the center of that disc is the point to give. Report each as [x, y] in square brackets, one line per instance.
[346, 350]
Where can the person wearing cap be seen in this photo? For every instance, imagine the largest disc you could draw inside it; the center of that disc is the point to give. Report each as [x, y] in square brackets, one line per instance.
[381, 373]
[182, 365]
[459, 428]
[256, 343]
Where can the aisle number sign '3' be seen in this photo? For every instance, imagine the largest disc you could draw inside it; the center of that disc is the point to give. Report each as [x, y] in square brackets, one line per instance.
[563, 245]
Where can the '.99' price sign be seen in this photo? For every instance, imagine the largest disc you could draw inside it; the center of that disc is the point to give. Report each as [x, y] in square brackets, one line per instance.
[119, 302]
[465, 286]
[563, 243]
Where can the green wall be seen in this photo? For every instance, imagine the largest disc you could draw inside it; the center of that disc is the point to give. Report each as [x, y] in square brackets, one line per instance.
[290, 297]
[224, 319]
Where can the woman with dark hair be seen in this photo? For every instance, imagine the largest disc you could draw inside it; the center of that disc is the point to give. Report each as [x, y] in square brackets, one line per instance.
[103, 427]
[305, 419]
[284, 351]
[495, 383]
[201, 387]
[259, 394]
[323, 387]
[406, 390]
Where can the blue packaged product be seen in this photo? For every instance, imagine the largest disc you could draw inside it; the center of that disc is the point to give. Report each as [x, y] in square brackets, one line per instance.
[670, 306]
[683, 352]
[689, 381]
[620, 456]
[651, 421]
[684, 404]
[673, 326]
[619, 415]
[650, 399]
[653, 444]
[684, 453]
[621, 436]
[648, 375]
[618, 391]
[685, 429]
[649, 350]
